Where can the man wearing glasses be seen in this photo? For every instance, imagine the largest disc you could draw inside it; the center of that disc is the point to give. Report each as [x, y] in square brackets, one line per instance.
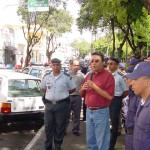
[57, 86]
[98, 91]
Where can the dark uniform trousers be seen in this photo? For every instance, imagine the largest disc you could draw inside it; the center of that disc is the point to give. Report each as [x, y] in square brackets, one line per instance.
[115, 108]
[55, 121]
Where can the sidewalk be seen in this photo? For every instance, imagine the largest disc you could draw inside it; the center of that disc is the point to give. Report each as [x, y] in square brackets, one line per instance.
[71, 142]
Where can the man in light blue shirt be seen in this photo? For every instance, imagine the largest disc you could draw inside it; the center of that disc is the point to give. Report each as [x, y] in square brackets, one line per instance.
[121, 91]
[57, 86]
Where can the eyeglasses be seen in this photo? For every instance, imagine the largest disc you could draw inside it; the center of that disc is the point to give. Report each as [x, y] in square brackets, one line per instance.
[95, 60]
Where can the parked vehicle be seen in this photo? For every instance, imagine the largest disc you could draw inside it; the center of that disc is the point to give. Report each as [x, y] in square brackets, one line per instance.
[20, 98]
[2, 66]
[37, 71]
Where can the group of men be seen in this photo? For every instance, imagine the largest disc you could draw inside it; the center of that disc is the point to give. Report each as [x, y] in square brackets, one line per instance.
[103, 90]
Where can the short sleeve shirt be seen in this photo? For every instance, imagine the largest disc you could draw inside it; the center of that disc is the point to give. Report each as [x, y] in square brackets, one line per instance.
[120, 84]
[57, 87]
[105, 81]
[78, 78]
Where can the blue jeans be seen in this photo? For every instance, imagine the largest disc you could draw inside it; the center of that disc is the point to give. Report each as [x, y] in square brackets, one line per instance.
[97, 129]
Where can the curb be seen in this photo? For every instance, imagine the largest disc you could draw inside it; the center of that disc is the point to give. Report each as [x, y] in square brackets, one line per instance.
[35, 139]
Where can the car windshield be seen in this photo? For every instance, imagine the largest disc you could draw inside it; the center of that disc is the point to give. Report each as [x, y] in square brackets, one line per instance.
[24, 88]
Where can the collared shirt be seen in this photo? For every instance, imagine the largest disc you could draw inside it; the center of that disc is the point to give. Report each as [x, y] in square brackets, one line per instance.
[120, 84]
[106, 82]
[141, 136]
[132, 108]
[57, 88]
[78, 78]
[142, 102]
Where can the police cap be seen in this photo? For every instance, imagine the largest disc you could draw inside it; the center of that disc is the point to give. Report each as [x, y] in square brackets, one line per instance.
[55, 60]
[114, 59]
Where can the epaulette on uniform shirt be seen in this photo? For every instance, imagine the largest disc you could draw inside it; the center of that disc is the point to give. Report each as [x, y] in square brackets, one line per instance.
[68, 74]
[120, 73]
[46, 74]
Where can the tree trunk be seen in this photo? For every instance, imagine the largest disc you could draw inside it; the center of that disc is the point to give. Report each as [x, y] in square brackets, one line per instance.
[28, 57]
[120, 51]
[49, 55]
[113, 33]
[147, 5]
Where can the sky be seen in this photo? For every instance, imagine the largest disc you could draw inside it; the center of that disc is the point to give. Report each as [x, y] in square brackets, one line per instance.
[8, 11]
[74, 8]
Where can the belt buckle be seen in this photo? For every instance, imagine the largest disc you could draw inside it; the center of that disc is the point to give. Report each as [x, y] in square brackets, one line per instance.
[54, 102]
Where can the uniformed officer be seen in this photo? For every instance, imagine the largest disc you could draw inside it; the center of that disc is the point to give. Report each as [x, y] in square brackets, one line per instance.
[141, 86]
[133, 102]
[121, 91]
[57, 87]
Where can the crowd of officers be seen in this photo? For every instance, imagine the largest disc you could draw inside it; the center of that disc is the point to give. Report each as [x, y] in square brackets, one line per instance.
[103, 87]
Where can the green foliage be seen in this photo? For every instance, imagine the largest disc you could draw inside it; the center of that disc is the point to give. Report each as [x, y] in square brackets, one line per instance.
[125, 17]
[59, 22]
[83, 47]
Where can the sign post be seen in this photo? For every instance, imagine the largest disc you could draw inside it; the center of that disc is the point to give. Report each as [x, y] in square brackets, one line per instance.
[38, 5]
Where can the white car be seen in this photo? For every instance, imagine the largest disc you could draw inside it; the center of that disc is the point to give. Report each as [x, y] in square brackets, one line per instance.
[37, 71]
[20, 98]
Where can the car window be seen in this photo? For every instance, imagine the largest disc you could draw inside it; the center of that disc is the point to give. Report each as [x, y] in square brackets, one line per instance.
[36, 72]
[47, 71]
[24, 88]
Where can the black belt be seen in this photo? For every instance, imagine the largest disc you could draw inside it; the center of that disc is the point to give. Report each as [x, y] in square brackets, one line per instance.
[129, 131]
[96, 108]
[57, 102]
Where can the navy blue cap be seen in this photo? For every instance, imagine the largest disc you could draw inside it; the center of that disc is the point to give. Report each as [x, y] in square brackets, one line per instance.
[133, 61]
[121, 66]
[114, 59]
[140, 70]
[55, 60]
[130, 69]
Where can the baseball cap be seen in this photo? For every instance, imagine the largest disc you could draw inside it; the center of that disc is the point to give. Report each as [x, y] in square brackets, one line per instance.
[133, 61]
[140, 70]
[130, 69]
[114, 59]
[55, 60]
[121, 66]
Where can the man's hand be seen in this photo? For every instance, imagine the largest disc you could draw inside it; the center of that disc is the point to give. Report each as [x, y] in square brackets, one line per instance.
[84, 86]
[90, 83]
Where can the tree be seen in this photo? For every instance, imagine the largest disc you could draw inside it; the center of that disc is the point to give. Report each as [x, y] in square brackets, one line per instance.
[59, 22]
[54, 21]
[33, 23]
[114, 15]
[82, 46]
[147, 5]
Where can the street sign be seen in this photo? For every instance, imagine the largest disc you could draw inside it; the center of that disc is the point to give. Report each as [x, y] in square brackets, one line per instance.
[38, 5]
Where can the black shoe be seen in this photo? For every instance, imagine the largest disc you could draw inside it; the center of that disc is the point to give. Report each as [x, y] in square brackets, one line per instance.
[111, 149]
[57, 147]
[76, 133]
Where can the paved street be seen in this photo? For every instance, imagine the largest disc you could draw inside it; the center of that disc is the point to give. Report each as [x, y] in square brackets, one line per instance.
[71, 142]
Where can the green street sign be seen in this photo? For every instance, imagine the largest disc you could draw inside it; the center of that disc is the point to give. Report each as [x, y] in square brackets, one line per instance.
[38, 5]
